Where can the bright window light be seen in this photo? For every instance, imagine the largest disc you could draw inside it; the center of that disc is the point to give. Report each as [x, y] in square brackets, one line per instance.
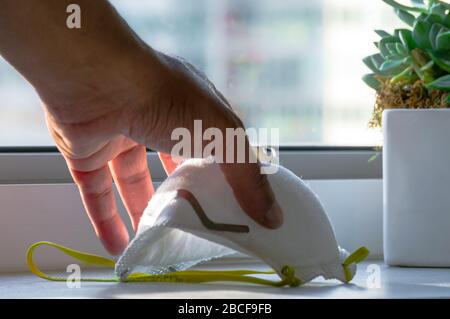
[293, 65]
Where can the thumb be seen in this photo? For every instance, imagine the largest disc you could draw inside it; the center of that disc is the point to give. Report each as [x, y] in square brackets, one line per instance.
[253, 191]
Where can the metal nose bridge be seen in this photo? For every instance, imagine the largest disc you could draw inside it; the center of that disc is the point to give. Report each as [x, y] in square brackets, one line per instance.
[208, 223]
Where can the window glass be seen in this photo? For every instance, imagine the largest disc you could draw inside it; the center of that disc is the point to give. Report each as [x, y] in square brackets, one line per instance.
[293, 65]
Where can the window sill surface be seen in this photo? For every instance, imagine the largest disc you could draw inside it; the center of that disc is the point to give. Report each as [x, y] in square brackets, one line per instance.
[395, 283]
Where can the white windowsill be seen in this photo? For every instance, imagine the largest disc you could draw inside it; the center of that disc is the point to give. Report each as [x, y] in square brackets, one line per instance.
[54, 212]
[395, 283]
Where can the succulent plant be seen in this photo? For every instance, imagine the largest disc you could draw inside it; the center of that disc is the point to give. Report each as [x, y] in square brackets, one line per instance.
[418, 53]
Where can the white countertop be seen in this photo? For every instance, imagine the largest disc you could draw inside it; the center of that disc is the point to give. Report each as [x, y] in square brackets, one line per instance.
[394, 283]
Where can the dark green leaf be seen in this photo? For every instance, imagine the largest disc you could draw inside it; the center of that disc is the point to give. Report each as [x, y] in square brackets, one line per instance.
[442, 59]
[434, 31]
[371, 81]
[420, 34]
[443, 40]
[407, 39]
[433, 18]
[406, 17]
[443, 83]
[446, 20]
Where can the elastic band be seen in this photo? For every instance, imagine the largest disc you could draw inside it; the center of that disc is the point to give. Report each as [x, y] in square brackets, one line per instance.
[186, 276]
[78, 255]
[356, 257]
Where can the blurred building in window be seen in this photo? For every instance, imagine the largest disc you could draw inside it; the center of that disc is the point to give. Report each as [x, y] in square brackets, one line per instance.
[293, 65]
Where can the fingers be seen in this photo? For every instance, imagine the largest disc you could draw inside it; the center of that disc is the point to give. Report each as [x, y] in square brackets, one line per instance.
[96, 191]
[133, 180]
[168, 163]
[184, 96]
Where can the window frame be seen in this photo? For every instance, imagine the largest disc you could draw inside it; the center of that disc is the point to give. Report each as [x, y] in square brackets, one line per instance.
[45, 165]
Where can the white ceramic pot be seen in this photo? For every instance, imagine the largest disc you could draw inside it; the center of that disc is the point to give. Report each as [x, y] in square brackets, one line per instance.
[416, 187]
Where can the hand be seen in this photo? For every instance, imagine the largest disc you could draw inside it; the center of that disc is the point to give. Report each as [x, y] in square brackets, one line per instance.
[108, 97]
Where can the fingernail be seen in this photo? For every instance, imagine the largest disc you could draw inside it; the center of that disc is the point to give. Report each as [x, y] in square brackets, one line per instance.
[274, 216]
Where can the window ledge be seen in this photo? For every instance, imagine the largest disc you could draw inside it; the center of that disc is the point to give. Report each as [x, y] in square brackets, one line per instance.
[394, 283]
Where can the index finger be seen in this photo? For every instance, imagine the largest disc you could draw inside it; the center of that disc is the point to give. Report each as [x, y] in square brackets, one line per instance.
[96, 191]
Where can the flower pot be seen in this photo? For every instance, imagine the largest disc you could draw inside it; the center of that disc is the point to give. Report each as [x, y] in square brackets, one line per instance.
[416, 187]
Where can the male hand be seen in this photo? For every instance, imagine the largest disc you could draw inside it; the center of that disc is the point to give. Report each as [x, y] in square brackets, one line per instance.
[107, 96]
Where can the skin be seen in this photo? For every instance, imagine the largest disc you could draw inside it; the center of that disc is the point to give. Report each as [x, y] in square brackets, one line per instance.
[107, 96]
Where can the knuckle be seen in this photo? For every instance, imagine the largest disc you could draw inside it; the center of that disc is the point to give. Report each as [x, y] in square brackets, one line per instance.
[134, 179]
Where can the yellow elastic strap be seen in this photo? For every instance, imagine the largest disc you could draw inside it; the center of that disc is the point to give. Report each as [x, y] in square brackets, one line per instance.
[356, 257]
[84, 257]
[186, 276]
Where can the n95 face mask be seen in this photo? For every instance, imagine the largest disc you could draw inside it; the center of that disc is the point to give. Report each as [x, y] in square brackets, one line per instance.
[194, 217]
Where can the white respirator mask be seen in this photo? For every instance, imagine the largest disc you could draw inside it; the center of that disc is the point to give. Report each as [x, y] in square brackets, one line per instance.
[194, 217]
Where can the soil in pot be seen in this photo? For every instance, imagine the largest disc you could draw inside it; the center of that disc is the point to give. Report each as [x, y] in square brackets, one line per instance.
[400, 96]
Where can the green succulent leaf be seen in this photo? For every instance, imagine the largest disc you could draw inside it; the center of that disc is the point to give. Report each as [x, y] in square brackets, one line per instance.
[443, 83]
[401, 49]
[392, 47]
[432, 35]
[420, 52]
[377, 60]
[439, 9]
[382, 34]
[431, 3]
[406, 76]
[390, 39]
[433, 18]
[406, 17]
[421, 31]
[448, 98]
[443, 40]
[446, 19]
[369, 63]
[384, 48]
[422, 16]
[371, 81]
[427, 66]
[397, 5]
[406, 37]
[442, 59]
[392, 67]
